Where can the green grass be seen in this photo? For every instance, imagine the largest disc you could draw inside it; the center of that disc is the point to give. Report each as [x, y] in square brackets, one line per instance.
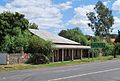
[14, 67]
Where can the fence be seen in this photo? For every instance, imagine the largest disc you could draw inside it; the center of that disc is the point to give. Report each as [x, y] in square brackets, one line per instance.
[16, 58]
[3, 58]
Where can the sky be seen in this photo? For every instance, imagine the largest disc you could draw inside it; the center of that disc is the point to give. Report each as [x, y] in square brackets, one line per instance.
[57, 15]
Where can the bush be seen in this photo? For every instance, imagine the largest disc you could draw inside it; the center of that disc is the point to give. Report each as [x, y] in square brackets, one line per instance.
[94, 52]
[12, 43]
[108, 50]
[40, 50]
[38, 58]
[117, 49]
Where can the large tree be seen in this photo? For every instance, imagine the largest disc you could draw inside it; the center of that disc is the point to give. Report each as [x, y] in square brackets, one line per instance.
[11, 24]
[101, 20]
[75, 35]
[13, 44]
[9, 21]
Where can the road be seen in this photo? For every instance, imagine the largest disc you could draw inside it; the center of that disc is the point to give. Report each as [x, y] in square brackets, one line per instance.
[102, 71]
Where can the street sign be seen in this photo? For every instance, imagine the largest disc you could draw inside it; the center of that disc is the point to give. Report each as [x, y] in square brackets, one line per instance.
[97, 45]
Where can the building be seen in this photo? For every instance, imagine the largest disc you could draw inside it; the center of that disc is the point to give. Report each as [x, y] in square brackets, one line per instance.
[65, 49]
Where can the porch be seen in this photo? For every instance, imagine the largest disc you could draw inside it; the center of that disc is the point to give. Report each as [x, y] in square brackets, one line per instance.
[65, 54]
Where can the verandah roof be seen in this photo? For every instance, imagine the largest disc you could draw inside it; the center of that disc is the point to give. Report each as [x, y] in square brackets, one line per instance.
[72, 47]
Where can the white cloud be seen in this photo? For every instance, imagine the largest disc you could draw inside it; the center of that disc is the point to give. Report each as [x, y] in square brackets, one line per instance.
[2, 9]
[80, 19]
[116, 5]
[42, 12]
[65, 6]
[116, 25]
[106, 2]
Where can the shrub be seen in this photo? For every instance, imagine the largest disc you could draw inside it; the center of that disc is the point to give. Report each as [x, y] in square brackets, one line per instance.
[108, 50]
[40, 50]
[117, 49]
[94, 52]
[38, 58]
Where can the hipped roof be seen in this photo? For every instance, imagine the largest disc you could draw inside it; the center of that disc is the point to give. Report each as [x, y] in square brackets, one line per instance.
[60, 42]
[52, 37]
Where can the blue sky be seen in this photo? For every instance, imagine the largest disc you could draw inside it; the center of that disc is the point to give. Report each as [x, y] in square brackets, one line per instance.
[56, 15]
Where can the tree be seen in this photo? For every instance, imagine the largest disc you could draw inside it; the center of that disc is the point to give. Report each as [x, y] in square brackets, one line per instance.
[13, 43]
[118, 37]
[108, 50]
[13, 27]
[75, 35]
[117, 45]
[33, 26]
[96, 39]
[9, 22]
[116, 49]
[101, 20]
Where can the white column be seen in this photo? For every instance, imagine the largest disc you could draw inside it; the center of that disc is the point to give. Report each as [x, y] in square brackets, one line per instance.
[53, 56]
[72, 55]
[62, 54]
[81, 54]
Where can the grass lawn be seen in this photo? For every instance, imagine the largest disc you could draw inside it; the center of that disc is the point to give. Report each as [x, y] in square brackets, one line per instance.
[14, 67]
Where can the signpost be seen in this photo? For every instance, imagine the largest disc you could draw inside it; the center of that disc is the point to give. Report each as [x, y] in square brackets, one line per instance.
[98, 46]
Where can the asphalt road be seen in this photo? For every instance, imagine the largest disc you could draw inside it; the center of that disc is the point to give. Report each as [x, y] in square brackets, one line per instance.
[104, 71]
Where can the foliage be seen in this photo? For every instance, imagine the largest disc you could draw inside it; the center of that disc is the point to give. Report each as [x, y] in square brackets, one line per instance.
[33, 26]
[117, 45]
[40, 50]
[12, 43]
[118, 37]
[13, 29]
[96, 39]
[108, 50]
[101, 20]
[75, 35]
[113, 35]
[9, 21]
[94, 52]
[117, 49]
[14, 34]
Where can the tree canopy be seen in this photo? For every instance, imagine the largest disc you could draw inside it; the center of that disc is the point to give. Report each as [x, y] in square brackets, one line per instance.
[9, 21]
[12, 27]
[101, 20]
[13, 43]
[75, 35]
